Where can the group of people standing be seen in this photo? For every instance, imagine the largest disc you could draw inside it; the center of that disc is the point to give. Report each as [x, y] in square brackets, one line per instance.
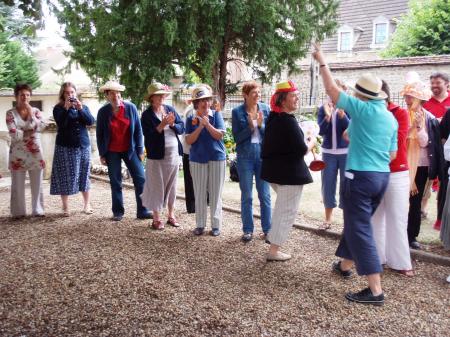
[384, 155]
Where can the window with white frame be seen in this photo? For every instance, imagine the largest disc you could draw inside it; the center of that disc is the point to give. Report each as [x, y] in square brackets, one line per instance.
[380, 33]
[345, 39]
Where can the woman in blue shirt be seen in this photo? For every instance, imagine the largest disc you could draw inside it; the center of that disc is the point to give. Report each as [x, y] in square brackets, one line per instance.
[248, 124]
[72, 158]
[204, 131]
[333, 123]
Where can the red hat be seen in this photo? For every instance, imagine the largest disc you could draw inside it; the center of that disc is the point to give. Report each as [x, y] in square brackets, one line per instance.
[286, 86]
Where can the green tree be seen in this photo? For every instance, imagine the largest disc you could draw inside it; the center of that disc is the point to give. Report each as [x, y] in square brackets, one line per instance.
[16, 62]
[30, 8]
[141, 41]
[424, 30]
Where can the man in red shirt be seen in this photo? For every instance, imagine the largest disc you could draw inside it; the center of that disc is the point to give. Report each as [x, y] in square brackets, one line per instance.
[438, 104]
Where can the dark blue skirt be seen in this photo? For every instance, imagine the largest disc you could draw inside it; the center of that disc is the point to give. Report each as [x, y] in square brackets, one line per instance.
[70, 171]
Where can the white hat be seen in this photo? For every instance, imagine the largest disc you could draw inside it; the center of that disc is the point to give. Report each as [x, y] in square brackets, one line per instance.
[369, 86]
[112, 85]
[201, 92]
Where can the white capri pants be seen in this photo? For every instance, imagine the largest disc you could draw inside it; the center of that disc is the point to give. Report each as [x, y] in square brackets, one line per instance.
[208, 179]
[18, 207]
[285, 212]
[390, 223]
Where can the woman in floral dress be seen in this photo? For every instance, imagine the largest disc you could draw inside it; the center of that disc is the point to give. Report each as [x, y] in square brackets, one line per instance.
[24, 124]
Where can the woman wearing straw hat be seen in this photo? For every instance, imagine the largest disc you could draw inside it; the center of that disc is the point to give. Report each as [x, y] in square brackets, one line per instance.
[373, 144]
[425, 157]
[390, 220]
[119, 137]
[204, 131]
[248, 125]
[283, 165]
[161, 126]
[72, 158]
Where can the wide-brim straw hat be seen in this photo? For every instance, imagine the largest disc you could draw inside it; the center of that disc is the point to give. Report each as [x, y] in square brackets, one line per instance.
[369, 86]
[201, 92]
[157, 88]
[112, 85]
[419, 90]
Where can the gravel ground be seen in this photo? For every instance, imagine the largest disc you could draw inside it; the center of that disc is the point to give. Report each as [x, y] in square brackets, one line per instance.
[87, 275]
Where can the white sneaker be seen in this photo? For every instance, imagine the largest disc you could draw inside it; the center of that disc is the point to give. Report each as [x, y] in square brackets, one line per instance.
[278, 256]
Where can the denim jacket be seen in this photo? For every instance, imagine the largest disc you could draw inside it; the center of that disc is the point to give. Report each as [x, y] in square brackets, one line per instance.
[241, 130]
[326, 130]
[104, 132]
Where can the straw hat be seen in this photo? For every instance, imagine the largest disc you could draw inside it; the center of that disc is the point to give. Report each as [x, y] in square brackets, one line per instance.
[369, 86]
[201, 92]
[112, 85]
[157, 88]
[418, 89]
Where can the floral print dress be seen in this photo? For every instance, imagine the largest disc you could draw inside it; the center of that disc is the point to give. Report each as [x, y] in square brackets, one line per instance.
[25, 152]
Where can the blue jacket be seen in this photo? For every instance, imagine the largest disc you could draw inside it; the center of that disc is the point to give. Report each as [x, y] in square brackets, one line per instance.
[326, 130]
[241, 130]
[155, 141]
[72, 124]
[103, 129]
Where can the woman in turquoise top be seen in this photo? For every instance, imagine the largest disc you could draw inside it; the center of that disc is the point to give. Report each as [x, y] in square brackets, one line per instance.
[373, 144]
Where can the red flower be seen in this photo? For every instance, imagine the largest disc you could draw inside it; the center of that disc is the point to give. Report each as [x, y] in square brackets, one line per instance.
[17, 165]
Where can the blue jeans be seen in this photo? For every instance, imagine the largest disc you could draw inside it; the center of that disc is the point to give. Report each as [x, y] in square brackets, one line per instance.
[363, 192]
[249, 166]
[134, 165]
[334, 163]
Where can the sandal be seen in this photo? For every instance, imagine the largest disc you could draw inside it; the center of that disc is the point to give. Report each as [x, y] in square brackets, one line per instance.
[407, 273]
[325, 226]
[173, 222]
[66, 213]
[158, 225]
[88, 211]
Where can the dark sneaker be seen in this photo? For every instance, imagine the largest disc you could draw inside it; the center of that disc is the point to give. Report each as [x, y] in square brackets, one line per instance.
[148, 215]
[198, 231]
[336, 266]
[117, 217]
[365, 296]
[415, 245]
[215, 232]
[247, 237]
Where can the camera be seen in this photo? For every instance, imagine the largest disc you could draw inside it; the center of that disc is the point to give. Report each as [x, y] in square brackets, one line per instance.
[72, 100]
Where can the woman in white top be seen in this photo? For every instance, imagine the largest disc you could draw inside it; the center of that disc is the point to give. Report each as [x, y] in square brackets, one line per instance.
[161, 126]
[25, 155]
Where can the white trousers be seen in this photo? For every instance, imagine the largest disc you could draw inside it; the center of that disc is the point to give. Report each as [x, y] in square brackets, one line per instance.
[208, 181]
[18, 192]
[284, 212]
[390, 223]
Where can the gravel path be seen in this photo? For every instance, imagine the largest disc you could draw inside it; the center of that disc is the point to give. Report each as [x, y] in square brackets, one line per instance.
[87, 275]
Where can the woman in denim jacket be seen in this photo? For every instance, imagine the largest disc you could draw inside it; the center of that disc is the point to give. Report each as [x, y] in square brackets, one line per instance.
[248, 123]
[333, 123]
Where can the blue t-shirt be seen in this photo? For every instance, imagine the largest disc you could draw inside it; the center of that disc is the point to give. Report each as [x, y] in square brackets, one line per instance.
[206, 148]
[372, 132]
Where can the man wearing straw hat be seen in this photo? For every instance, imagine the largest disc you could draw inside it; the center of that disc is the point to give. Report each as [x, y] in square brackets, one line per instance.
[373, 144]
[119, 137]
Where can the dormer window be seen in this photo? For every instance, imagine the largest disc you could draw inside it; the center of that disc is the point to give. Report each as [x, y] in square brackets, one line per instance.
[345, 39]
[380, 32]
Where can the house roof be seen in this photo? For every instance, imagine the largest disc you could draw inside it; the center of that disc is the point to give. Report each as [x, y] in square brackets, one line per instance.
[360, 15]
[394, 62]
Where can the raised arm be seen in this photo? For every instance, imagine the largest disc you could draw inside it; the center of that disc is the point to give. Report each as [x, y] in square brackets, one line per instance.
[330, 85]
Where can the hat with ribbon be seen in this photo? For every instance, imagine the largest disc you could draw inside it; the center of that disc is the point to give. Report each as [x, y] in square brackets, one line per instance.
[369, 86]
[286, 86]
[157, 88]
[201, 92]
[112, 85]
